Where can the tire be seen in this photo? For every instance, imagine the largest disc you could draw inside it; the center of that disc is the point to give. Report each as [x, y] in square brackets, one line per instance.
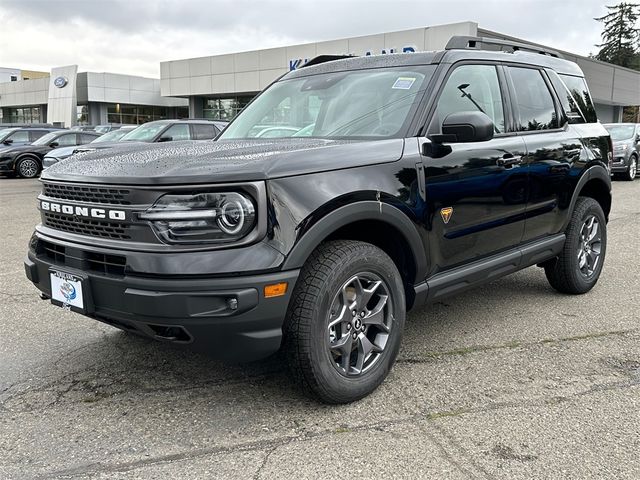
[28, 167]
[632, 170]
[326, 293]
[569, 273]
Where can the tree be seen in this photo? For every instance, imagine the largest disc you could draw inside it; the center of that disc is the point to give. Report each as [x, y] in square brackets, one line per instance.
[621, 36]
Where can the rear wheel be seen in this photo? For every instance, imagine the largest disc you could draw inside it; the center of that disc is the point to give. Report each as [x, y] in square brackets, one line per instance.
[578, 267]
[632, 170]
[28, 167]
[344, 325]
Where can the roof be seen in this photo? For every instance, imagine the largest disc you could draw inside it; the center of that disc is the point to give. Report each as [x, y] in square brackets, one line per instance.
[442, 56]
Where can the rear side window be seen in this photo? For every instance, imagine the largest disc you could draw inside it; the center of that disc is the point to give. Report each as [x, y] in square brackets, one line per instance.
[87, 138]
[470, 88]
[67, 140]
[535, 109]
[580, 96]
[36, 134]
[178, 132]
[204, 132]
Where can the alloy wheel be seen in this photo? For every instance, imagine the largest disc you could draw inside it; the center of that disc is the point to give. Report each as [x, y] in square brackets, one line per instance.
[359, 324]
[28, 168]
[633, 168]
[590, 246]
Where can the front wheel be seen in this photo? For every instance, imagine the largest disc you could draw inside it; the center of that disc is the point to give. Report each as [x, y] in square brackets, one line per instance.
[578, 267]
[345, 321]
[632, 170]
[28, 167]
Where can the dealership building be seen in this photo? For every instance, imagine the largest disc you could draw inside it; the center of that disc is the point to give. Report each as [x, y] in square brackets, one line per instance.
[219, 86]
[66, 98]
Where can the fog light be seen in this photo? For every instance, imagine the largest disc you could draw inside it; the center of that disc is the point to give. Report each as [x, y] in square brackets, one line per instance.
[232, 303]
[275, 290]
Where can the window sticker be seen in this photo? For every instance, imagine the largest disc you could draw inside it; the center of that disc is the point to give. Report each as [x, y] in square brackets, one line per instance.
[404, 83]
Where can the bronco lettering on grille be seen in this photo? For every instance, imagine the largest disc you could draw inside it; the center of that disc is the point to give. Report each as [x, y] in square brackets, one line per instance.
[83, 211]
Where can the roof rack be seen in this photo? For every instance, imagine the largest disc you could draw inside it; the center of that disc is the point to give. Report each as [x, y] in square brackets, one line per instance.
[324, 58]
[460, 42]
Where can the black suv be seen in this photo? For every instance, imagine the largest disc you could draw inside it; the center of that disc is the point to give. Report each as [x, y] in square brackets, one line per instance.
[26, 160]
[12, 137]
[396, 180]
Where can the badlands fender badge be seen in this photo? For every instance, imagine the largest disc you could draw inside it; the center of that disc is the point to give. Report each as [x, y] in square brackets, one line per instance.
[446, 214]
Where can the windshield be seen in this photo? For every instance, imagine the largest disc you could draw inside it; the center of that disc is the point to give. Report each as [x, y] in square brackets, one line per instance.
[112, 136]
[46, 139]
[144, 133]
[375, 103]
[620, 132]
[5, 132]
[102, 128]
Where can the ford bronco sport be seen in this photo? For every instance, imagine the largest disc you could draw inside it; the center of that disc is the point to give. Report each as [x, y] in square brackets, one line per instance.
[348, 192]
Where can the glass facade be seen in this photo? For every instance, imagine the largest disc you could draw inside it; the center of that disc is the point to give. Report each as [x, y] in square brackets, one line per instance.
[20, 115]
[139, 114]
[82, 115]
[224, 108]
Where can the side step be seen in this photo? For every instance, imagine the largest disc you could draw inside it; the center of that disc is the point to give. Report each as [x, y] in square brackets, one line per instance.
[485, 270]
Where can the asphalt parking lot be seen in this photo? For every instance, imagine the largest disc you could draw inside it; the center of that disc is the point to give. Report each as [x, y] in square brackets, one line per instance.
[508, 381]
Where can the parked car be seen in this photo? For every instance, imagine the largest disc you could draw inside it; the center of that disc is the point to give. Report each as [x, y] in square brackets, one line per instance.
[172, 130]
[22, 136]
[61, 153]
[26, 160]
[83, 128]
[108, 127]
[401, 179]
[626, 149]
[161, 131]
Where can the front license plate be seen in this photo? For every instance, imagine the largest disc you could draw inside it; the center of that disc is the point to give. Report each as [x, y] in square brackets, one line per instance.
[67, 289]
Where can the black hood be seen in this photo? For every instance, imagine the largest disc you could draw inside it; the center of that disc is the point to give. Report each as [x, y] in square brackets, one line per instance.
[222, 161]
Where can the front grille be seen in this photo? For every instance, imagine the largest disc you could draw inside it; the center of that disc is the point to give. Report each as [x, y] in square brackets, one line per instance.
[107, 264]
[100, 263]
[87, 194]
[54, 252]
[85, 226]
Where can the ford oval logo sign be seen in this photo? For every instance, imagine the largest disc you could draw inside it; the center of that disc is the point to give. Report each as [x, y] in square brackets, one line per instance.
[60, 82]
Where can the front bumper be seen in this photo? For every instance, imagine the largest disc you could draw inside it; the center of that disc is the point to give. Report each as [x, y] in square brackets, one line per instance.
[620, 163]
[7, 165]
[228, 317]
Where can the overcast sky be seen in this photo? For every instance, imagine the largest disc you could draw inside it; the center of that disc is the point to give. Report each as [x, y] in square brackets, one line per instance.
[133, 36]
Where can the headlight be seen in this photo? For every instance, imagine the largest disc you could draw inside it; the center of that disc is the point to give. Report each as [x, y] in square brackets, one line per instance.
[208, 217]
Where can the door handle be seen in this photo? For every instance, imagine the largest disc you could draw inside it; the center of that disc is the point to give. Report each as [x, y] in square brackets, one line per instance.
[509, 161]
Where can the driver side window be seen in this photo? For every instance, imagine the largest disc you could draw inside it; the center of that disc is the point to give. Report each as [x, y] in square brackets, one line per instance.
[470, 88]
[178, 132]
[68, 140]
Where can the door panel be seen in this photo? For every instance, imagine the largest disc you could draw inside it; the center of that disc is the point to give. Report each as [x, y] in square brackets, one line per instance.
[552, 152]
[554, 160]
[485, 186]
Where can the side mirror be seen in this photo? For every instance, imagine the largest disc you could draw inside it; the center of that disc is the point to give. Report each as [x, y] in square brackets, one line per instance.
[8, 141]
[165, 139]
[54, 144]
[462, 127]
